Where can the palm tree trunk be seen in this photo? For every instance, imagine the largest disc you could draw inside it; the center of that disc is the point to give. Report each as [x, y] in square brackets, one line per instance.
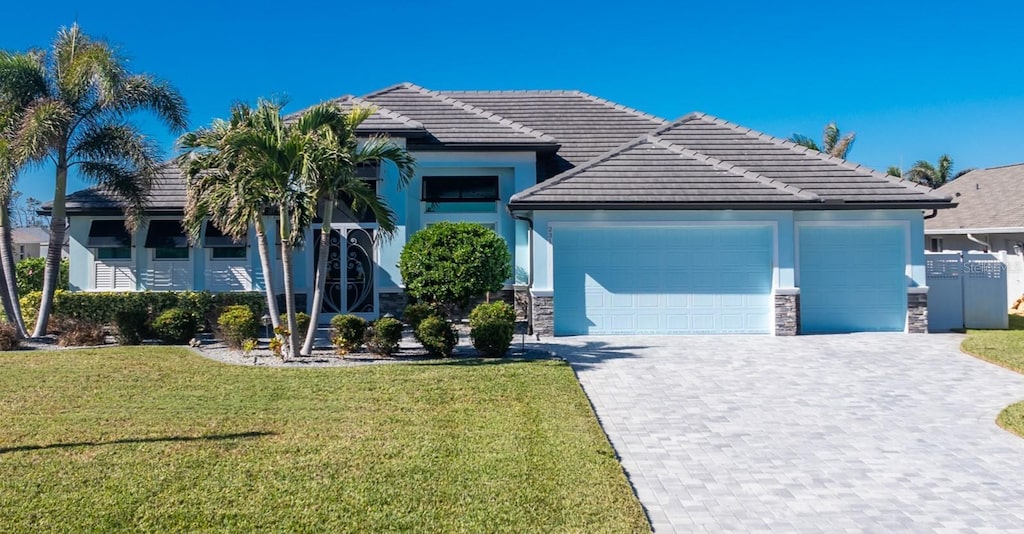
[268, 275]
[289, 286]
[321, 276]
[12, 307]
[58, 225]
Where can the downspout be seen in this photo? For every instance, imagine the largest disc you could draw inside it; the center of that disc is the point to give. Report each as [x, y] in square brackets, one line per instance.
[932, 215]
[980, 242]
[529, 276]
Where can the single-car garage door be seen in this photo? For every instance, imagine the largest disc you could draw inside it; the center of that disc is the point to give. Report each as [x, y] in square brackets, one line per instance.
[653, 280]
[852, 279]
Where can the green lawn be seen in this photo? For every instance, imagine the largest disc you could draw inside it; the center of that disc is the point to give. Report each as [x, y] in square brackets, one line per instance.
[1005, 348]
[160, 439]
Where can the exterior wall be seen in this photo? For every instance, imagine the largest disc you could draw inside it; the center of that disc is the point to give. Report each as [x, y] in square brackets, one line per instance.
[917, 312]
[1007, 243]
[787, 313]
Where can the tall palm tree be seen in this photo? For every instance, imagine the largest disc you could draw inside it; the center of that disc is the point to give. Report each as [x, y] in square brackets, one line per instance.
[334, 158]
[932, 175]
[81, 97]
[8, 280]
[220, 189]
[833, 142]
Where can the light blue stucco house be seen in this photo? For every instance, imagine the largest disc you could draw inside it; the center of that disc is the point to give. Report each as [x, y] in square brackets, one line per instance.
[619, 222]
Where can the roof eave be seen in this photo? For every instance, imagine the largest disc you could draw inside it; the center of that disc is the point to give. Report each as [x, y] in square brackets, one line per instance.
[980, 230]
[523, 205]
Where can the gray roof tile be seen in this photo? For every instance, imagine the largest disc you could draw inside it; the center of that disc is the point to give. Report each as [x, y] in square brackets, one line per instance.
[986, 198]
[383, 119]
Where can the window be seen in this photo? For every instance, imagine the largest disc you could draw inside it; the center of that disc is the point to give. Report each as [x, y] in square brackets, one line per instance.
[936, 244]
[108, 233]
[170, 253]
[345, 213]
[227, 253]
[475, 189]
[21, 251]
[114, 253]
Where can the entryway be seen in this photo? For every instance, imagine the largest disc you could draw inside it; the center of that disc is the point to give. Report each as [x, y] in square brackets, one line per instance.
[351, 267]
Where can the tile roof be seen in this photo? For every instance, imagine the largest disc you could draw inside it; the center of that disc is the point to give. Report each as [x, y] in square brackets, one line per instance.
[167, 195]
[455, 123]
[383, 119]
[585, 126]
[986, 199]
[822, 179]
[30, 234]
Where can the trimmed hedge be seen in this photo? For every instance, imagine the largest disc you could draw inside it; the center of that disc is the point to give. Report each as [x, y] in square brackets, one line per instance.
[348, 332]
[492, 327]
[237, 324]
[101, 307]
[384, 335]
[437, 336]
[175, 326]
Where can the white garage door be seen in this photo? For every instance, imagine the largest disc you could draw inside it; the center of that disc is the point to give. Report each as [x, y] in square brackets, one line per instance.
[644, 280]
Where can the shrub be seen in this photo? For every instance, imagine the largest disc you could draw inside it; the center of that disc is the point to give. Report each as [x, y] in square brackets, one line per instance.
[414, 314]
[9, 337]
[30, 307]
[301, 320]
[175, 326]
[29, 273]
[450, 263]
[238, 323]
[492, 327]
[383, 336]
[348, 332]
[437, 336]
[132, 325]
[79, 332]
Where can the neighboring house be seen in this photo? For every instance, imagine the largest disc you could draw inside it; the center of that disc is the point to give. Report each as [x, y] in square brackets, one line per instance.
[30, 242]
[989, 216]
[619, 222]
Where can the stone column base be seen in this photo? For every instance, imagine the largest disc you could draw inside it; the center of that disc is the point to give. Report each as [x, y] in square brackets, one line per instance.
[543, 315]
[787, 312]
[917, 310]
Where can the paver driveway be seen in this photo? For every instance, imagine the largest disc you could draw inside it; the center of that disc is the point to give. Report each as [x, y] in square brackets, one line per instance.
[861, 432]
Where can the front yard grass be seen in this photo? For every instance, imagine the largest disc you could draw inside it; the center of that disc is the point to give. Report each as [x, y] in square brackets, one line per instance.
[1005, 348]
[160, 439]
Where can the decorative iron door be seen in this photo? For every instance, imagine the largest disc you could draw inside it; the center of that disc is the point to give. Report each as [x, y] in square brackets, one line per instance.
[351, 282]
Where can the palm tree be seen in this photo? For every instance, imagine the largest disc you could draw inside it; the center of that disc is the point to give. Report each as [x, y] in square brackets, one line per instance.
[932, 175]
[80, 99]
[8, 175]
[833, 142]
[894, 171]
[332, 176]
[220, 189]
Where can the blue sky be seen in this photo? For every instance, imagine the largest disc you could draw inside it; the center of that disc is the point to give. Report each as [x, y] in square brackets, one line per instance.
[913, 79]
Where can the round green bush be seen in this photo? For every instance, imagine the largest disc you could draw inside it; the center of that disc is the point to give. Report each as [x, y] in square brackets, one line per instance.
[414, 314]
[175, 326]
[494, 311]
[348, 332]
[383, 336]
[238, 323]
[437, 336]
[493, 338]
[302, 321]
[449, 263]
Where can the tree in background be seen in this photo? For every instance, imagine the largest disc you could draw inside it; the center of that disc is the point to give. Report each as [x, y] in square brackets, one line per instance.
[833, 142]
[79, 99]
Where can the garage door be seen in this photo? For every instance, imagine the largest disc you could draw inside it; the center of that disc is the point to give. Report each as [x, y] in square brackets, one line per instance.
[708, 280]
[852, 279]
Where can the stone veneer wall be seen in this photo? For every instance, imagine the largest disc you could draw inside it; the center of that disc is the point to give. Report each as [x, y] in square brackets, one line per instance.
[543, 316]
[787, 315]
[917, 313]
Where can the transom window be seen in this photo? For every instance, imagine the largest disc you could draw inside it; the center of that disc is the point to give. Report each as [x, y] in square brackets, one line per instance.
[114, 253]
[474, 189]
[170, 253]
[227, 253]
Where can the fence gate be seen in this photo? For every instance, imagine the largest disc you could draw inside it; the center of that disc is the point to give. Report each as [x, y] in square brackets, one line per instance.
[965, 291]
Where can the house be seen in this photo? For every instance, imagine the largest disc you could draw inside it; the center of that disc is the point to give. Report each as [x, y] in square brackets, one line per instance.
[30, 242]
[619, 222]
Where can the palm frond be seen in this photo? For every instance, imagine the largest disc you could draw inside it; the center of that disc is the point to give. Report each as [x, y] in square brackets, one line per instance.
[804, 141]
[115, 143]
[894, 171]
[143, 92]
[830, 137]
[129, 184]
[22, 79]
[43, 126]
[843, 146]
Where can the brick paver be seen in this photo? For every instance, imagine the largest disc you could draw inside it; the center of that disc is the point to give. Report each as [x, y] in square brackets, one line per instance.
[861, 432]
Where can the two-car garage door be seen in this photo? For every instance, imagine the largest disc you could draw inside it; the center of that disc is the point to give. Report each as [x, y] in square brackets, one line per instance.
[663, 280]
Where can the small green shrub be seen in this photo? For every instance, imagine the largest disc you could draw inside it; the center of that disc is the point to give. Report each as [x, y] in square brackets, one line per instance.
[79, 332]
[348, 332]
[383, 336]
[493, 311]
[175, 326]
[437, 336]
[29, 273]
[414, 314]
[9, 337]
[238, 323]
[30, 307]
[132, 325]
[492, 327]
[301, 320]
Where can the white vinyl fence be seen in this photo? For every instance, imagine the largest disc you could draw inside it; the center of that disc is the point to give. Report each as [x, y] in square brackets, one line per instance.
[966, 290]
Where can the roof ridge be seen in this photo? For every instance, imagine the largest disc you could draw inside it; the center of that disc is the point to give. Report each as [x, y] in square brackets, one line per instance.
[620, 107]
[733, 169]
[491, 116]
[994, 168]
[580, 168]
[819, 155]
[512, 91]
[409, 121]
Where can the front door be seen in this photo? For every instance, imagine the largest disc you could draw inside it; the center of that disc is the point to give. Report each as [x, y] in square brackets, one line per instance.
[351, 281]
